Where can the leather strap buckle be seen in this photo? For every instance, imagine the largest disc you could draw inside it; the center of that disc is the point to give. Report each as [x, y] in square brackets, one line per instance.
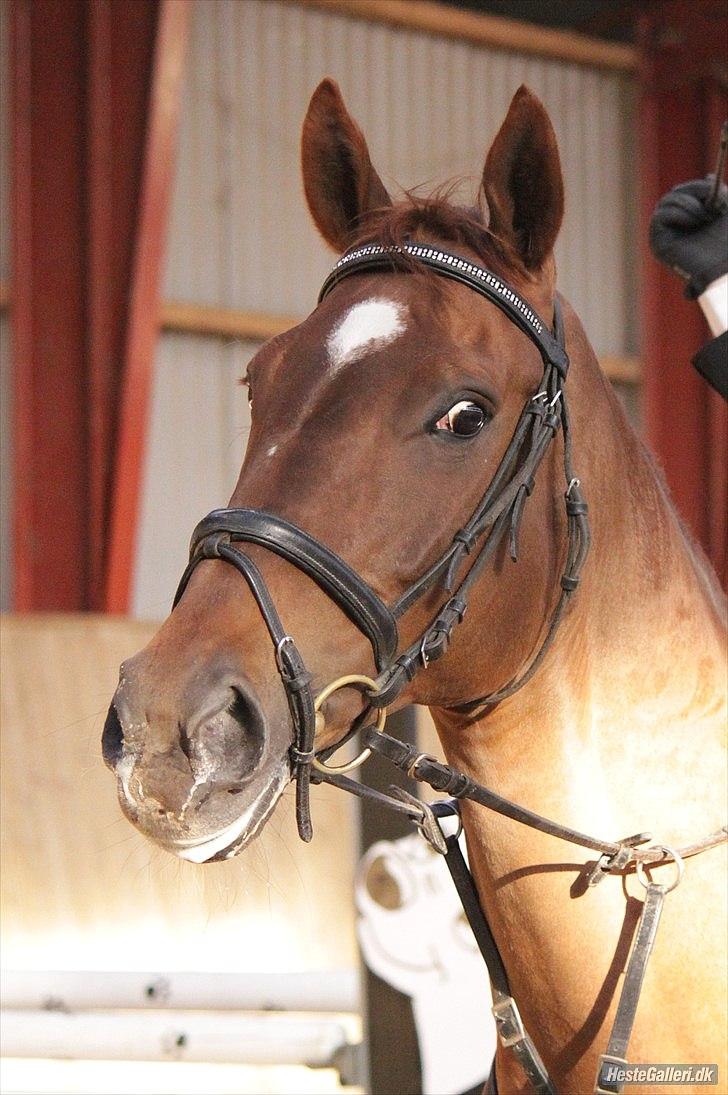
[608, 864]
[279, 652]
[508, 1021]
[605, 1085]
[426, 822]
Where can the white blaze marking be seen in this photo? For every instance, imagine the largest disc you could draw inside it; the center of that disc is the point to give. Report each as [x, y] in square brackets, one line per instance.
[371, 323]
[272, 450]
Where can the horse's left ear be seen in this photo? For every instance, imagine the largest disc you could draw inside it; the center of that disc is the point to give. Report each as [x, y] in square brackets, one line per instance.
[522, 181]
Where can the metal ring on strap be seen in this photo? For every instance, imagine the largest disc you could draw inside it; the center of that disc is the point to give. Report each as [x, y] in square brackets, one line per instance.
[358, 681]
[672, 856]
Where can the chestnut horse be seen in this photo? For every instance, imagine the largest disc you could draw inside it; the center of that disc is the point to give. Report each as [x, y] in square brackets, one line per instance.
[377, 425]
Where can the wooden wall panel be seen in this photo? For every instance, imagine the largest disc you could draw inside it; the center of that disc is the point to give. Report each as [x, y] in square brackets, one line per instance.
[82, 890]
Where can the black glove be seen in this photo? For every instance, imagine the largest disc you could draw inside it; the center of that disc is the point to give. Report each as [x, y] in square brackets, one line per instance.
[691, 238]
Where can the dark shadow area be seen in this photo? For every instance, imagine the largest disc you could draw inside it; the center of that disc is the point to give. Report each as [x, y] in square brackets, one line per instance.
[610, 19]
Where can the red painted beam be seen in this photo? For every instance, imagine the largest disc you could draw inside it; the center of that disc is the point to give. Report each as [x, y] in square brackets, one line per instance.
[81, 84]
[50, 534]
[120, 55]
[684, 420]
[143, 329]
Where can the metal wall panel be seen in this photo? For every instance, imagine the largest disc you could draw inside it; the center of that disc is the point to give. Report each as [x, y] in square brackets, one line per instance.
[199, 431]
[241, 236]
[240, 232]
[6, 424]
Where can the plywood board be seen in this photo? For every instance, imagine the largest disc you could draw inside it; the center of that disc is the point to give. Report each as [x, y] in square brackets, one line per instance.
[82, 890]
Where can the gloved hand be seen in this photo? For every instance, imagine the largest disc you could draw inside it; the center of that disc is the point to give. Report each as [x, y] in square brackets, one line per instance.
[691, 238]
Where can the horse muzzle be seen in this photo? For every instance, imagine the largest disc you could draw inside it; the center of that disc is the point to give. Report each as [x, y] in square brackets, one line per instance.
[199, 783]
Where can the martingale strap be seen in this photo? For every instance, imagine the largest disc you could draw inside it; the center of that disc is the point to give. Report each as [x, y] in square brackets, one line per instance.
[616, 858]
[509, 1025]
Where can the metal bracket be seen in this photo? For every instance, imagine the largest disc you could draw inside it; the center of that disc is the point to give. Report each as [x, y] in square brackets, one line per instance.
[349, 1061]
[607, 863]
[508, 1021]
[426, 823]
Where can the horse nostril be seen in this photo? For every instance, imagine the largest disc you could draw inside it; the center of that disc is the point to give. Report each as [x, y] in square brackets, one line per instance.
[226, 747]
[249, 719]
[112, 739]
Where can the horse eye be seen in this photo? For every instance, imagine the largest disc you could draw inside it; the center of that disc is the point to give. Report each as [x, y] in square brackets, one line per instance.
[464, 419]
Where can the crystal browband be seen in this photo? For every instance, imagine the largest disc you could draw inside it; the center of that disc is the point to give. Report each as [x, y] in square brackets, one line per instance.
[375, 256]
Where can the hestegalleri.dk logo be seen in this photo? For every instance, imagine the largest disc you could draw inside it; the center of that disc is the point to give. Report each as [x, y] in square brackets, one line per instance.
[658, 1074]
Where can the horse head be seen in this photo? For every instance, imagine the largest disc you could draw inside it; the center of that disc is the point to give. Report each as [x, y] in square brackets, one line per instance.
[377, 425]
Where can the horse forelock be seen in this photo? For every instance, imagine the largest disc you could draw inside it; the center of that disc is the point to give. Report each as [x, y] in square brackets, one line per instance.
[437, 219]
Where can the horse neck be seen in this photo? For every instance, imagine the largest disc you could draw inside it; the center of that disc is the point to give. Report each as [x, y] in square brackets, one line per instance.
[637, 667]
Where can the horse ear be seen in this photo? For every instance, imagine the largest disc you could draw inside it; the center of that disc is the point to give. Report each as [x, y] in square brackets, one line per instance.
[522, 181]
[340, 183]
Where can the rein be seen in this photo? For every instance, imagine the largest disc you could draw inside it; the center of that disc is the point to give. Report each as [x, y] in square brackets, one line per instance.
[497, 516]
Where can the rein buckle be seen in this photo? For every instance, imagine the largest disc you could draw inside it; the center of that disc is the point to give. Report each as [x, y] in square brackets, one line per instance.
[609, 864]
[426, 823]
[508, 1021]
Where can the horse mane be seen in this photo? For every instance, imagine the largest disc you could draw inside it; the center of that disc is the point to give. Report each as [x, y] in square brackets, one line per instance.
[435, 219]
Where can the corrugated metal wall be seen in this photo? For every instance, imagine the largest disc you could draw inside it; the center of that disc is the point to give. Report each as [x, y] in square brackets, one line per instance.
[6, 470]
[240, 233]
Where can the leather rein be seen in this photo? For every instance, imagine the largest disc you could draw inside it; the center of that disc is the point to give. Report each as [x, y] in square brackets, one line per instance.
[496, 517]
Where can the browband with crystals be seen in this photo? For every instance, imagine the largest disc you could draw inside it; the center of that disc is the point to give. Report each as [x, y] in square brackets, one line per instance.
[374, 256]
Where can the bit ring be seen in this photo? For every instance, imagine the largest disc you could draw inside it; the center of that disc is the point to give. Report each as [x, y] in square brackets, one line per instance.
[355, 680]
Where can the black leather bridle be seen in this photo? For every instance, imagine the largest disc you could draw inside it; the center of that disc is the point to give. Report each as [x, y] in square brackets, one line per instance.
[497, 514]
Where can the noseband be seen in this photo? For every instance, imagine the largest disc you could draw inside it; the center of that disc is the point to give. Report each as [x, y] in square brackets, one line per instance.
[497, 514]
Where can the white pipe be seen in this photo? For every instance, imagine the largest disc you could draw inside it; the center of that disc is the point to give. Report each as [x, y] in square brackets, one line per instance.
[272, 1039]
[320, 990]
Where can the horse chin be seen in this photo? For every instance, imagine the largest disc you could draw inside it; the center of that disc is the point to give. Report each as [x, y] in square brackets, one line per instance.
[232, 838]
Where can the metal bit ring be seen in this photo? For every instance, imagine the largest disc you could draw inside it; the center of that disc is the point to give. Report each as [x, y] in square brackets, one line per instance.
[356, 680]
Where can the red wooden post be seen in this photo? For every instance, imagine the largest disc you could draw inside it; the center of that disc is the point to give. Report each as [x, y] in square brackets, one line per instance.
[158, 175]
[684, 421]
[51, 485]
[81, 77]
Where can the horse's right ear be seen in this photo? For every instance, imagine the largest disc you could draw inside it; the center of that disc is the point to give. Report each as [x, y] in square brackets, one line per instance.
[340, 183]
[522, 181]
